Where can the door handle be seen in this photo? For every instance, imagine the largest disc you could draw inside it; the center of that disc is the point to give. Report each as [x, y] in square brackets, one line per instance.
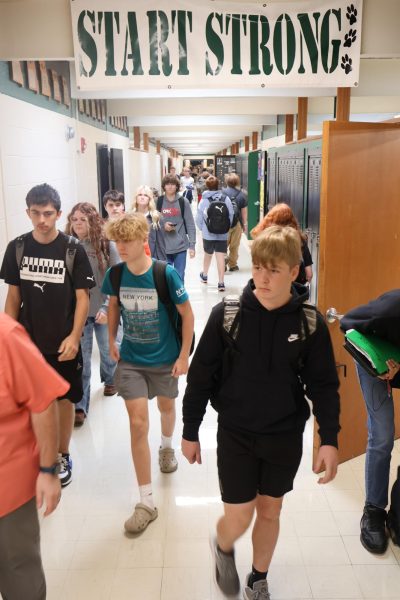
[332, 315]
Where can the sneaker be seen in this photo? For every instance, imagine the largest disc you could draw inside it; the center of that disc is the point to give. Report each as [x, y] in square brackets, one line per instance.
[65, 474]
[221, 287]
[167, 460]
[79, 418]
[203, 278]
[226, 575]
[109, 390]
[235, 268]
[258, 592]
[373, 536]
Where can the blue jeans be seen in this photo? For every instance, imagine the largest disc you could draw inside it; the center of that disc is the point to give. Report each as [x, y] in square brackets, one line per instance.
[107, 365]
[178, 261]
[379, 403]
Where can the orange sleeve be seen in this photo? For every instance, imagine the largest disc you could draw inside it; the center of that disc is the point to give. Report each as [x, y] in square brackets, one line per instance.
[33, 381]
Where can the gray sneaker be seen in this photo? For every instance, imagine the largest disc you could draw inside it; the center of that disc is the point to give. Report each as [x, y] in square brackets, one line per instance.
[226, 575]
[259, 591]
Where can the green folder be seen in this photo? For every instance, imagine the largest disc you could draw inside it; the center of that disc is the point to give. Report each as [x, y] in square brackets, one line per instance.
[374, 348]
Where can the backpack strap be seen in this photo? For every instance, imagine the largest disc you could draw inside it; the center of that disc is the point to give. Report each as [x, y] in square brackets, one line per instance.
[160, 281]
[159, 203]
[231, 319]
[182, 207]
[308, 326]
[70, 253]
[115, 279]
[19, 249]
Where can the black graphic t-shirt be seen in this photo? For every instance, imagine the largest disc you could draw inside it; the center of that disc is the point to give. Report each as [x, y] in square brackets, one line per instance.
[47, 291]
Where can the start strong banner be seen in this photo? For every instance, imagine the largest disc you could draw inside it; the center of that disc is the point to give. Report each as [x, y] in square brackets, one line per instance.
[124, 44]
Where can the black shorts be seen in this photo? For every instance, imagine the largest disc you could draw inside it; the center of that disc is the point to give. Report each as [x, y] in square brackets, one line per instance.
[211, 246]
[251, 464]
[71, 371]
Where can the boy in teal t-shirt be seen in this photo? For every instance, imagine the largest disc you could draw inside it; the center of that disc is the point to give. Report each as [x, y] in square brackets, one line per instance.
[150, 359]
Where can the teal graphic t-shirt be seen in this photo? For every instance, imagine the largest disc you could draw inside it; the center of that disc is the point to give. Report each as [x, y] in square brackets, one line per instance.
[149, 338]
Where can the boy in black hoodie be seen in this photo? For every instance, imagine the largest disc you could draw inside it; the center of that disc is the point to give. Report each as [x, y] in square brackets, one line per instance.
[261, 405]
[381, 317]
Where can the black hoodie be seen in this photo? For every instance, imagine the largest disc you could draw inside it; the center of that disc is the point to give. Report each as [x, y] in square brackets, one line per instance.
[264, 390]
[381, 317]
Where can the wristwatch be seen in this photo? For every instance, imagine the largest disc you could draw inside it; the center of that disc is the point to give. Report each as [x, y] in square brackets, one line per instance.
[53, 470]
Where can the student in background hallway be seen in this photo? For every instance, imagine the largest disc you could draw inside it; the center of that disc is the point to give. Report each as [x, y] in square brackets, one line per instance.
[150, 358]
[85, 223]
[201, 184]
[143, 202]
[114, 203]
[282, 214]
[173, 172]
[213, 242]
[381, 316]
[239, 223]
[257, 383]
[28, 459]
[179, 227]
[187, 184]
[51, 302]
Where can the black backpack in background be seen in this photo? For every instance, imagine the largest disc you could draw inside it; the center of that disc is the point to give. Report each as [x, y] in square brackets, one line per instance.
[217, 218]
[393, 517]
[236, 210]
[160, 281]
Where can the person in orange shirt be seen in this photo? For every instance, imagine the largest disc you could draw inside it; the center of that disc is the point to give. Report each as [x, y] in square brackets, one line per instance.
[28, 458]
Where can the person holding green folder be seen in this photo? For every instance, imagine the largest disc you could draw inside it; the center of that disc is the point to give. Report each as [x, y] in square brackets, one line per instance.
[380, 317]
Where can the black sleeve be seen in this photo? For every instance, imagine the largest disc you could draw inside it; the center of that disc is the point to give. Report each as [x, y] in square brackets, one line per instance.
[9, 269]
[243, 200]
[202, 379]
[320, 378]
[307, 260]
[82, 274]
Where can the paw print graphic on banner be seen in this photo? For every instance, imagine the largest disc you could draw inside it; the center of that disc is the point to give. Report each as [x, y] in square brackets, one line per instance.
[350, 38]
[351, 14]
[346, 64]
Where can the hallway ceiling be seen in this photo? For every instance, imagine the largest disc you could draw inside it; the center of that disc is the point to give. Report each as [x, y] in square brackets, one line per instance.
[200, 121]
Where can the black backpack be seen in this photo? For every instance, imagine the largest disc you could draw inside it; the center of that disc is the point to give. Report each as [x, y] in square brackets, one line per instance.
[393, 517]
[217, 217]
[160, 281]
[70, 251]
[230, 331]
[236, 210]
[188, 194]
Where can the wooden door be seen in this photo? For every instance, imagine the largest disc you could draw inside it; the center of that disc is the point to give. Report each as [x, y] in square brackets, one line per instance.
[359, 244]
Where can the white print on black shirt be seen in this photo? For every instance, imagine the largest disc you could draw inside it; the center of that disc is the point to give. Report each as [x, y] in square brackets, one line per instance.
[141, 316]
[40, 286]
[42, 269]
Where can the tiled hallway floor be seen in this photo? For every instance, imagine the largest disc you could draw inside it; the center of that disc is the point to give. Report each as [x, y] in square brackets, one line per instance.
[87, 556]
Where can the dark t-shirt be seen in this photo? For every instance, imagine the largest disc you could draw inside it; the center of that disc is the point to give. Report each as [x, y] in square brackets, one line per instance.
[47, 291]
[306, 262]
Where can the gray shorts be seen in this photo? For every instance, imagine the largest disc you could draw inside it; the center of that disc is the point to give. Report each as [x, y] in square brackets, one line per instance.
[138, 381]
